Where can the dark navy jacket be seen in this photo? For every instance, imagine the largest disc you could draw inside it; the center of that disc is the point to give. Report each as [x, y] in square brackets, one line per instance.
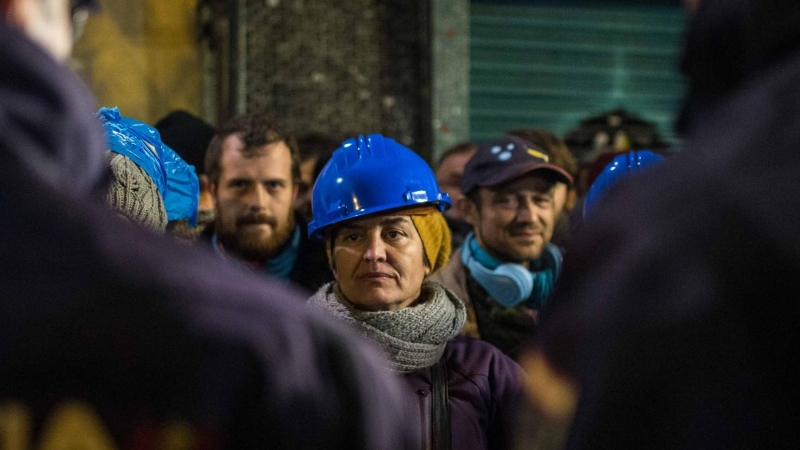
[680, 311]
[111, 335]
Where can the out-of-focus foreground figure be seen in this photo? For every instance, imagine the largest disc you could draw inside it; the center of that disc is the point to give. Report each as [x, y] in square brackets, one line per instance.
[680, 316]
[111, 337]
[49, 23]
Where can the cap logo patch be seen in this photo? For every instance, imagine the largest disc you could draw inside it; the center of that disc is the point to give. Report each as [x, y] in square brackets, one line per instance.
[539, 155]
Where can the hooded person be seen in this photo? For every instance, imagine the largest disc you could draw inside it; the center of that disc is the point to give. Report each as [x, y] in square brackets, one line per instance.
[47, 109]
[384, 235]
[111, 337]
[679, 312]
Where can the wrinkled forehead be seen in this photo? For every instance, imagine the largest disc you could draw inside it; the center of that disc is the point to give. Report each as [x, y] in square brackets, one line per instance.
[377, 221]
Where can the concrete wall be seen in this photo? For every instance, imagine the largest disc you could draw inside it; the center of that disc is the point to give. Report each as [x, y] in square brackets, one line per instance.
[142, 56]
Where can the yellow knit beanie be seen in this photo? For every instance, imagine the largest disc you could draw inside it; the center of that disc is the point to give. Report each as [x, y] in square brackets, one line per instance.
[435, 236]
[433, 231]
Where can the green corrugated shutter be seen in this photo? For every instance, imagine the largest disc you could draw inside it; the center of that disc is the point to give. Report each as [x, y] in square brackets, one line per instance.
[547, 66]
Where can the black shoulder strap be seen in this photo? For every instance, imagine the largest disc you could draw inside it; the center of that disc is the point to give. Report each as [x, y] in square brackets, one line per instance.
[440, 434]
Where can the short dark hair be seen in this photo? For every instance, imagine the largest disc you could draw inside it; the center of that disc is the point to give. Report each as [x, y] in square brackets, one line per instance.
[255, 130]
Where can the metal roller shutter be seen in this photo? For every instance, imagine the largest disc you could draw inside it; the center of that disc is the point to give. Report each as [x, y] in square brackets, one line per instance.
[551, 66]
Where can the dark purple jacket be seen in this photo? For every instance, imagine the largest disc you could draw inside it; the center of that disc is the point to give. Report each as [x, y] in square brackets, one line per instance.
[110, 333]
[484, 389]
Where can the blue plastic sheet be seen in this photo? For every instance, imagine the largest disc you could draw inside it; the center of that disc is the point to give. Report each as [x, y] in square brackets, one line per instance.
[175, 179]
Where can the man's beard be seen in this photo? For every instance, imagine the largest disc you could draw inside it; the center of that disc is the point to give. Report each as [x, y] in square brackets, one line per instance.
[249, 244]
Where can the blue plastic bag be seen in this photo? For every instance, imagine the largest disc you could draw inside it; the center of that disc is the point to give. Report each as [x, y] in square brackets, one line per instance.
[175, 179]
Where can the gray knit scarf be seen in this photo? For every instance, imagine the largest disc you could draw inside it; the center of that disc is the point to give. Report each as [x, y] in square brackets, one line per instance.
[414, 337]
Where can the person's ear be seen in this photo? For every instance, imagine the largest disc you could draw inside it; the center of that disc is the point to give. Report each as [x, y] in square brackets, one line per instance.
[469, 210]
[207, 196]
[572, 198]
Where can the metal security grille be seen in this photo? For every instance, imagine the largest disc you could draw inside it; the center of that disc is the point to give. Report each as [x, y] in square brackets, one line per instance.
[549, 66]
[336, 67]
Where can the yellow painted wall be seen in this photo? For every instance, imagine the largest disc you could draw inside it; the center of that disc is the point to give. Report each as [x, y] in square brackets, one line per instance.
[142, 56]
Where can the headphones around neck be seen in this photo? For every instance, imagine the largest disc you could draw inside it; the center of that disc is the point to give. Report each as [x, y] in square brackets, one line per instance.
[510, 283]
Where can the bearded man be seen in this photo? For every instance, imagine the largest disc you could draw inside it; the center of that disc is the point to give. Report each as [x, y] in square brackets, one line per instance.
[118, 342]
[253, 171]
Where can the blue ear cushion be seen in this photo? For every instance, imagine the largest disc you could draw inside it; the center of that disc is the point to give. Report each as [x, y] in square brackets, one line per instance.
[521, 278]
[508, 284]
[506, 290]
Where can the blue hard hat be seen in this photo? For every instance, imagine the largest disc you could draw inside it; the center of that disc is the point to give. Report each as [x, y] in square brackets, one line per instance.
[371, 175]
[624, 165]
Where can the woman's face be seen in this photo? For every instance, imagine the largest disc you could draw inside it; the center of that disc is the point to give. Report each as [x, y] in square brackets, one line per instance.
[379, 262]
